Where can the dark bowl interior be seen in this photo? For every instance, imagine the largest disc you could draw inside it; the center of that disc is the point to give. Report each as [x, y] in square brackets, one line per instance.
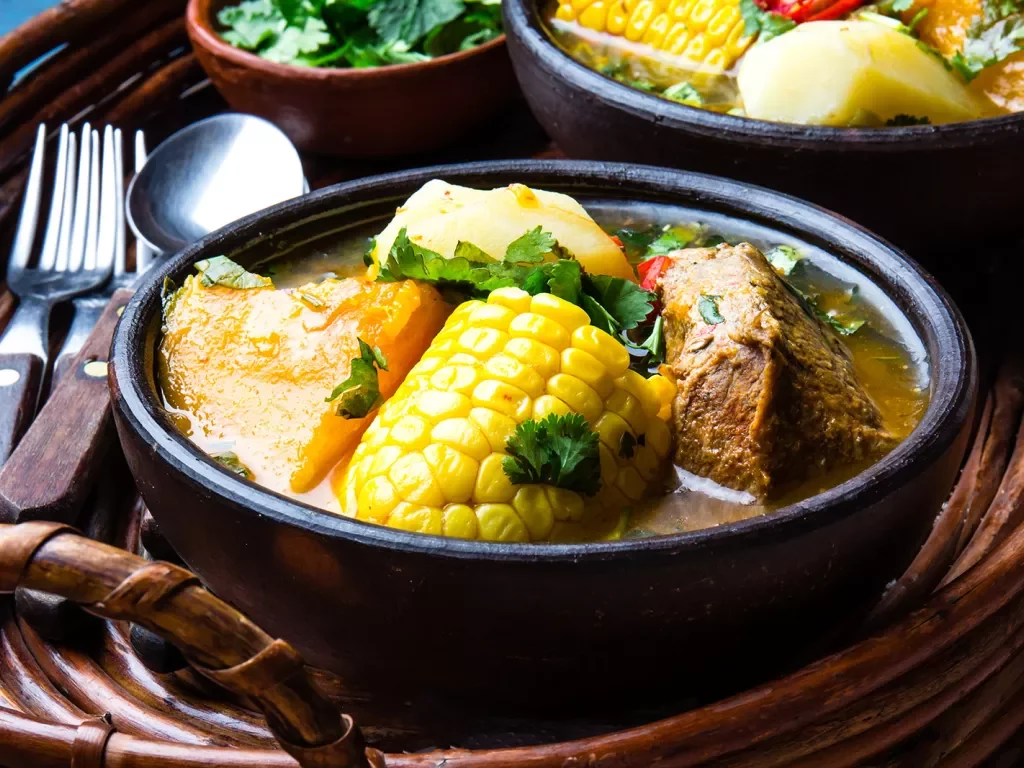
[923, 187]
[536, 625]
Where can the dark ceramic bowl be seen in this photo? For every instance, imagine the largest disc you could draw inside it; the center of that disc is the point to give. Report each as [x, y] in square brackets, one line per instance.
[396, 110]
[923, 187]
[544, 623]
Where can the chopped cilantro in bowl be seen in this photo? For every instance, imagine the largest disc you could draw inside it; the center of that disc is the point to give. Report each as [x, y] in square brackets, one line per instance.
[358, 33]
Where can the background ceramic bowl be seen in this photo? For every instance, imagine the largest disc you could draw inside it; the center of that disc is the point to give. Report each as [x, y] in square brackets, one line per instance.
[539, 624]
[394, 110]
[924, 187]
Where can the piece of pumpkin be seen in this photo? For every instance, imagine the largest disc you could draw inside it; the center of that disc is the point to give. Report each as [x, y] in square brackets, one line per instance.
[248, 371]
[438, 215]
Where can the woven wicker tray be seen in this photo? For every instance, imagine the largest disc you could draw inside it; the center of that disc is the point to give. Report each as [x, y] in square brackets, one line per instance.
[935, 676]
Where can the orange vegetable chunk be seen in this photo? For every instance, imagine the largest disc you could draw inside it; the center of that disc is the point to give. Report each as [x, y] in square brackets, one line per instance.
[248, 371]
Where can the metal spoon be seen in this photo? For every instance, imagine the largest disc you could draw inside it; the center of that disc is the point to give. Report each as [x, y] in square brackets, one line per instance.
[208, 175]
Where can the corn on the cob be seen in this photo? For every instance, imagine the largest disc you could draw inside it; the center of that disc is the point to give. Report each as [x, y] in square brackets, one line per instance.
[707, 32]
[432, 459]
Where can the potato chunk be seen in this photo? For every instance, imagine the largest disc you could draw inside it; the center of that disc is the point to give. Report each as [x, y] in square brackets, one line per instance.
[439, 215]
[250, 369]
[851, 73]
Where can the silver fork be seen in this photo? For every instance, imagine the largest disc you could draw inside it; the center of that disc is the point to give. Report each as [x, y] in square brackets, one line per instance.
[89, 308]
[76, 257]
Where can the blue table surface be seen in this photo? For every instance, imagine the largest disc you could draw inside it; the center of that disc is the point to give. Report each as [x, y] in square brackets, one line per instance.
[14, 12]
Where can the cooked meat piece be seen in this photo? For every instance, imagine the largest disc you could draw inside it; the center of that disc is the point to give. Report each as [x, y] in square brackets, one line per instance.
[767, 392]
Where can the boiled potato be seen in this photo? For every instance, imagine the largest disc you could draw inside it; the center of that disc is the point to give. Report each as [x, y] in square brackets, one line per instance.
[439, 215]
[851, 73]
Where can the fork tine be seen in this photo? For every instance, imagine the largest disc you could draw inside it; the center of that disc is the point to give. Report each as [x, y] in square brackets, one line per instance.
[107, 241]
[67, 213]
[29, 221]
[93, 224]
[143, 253]
[48, 257]
[76, 255]
[120, 255]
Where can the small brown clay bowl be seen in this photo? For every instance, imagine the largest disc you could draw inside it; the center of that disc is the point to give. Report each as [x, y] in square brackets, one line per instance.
[926, 188]
[395, 110]
[542, 624]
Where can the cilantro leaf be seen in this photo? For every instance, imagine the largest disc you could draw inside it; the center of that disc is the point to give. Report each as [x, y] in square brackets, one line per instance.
[708, 307]
[684, 93]
[168, 296]
[531, 248]
[784, 258]
[902, 5]
[360, 392]
[990, 44]
[624, 300]
[654, 345]
[844, 327]
[559, 450]
[901, 120]
[220, 270]
[757, 20]
[464, 250]
[411, 20]
[670, 240]
[230, 460]
[251, 24]
[565, 280]
[296, 42]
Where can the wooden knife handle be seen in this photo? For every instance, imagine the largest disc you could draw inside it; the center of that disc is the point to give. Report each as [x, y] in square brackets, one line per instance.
[21, 377]
[51, 471]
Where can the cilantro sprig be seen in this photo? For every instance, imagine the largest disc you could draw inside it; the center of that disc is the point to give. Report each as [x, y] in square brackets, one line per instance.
[613, 304]
[559, 450]
[230, 461]
[220, 270]
[768, 24]
[360, 392]
[359, 33]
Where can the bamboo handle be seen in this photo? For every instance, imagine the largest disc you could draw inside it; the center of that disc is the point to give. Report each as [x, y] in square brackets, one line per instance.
[54, 466]
[21, 378]
[219, 642]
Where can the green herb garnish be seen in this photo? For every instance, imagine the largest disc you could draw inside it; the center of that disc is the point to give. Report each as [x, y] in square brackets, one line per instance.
[168, 296]
[670, 240]
[844, 327]
[684, 93]
[359, 33]
[988, 43]
[784, 259]
[768, 24]
[220, 270]
[230, 460]
[653, 345]
[532, 247]
[559, 450]
[708, 307]
[902, 120]
[360, 392]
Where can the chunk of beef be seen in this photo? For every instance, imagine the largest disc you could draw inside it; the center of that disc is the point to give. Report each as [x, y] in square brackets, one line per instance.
[767, 392]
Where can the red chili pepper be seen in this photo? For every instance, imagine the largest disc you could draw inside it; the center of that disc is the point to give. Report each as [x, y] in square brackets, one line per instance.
[836, 10]
[651, 270]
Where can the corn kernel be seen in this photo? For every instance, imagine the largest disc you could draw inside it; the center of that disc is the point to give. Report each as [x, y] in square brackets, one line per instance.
[454, 471]
[659, 437]
[593, 17]
[382, 460]
[657, 30]
[580, 397]
[497, 428]
[428, 364]
[639, 20]
[617, 18]
[715, 61]
[459, 521]
[721, 24]
[698, 47]
[702, 12]
[417, 519]
[411, 432]
[515, 299]
[504, 398]
[663, 389]
[565, 13]
[630, 483]
[482, 342]
[610, 428]
[462, 435]
[530, 325]
[637, 386]
[414, 481]
[604, 347]
[442, 405]
[677, 33]
[542, 358]
[588, 369]
[492, 484]
[376, 435]
[533, 508]
[492, 316]
[646, 461]
[499, 522]
[567, 315]
[376, 500]
[629, 409]
[510, 370]
[565, 504]
[455, 378]
[545, 405]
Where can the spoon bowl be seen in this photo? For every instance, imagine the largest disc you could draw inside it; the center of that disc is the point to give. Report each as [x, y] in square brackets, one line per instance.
[210, 174]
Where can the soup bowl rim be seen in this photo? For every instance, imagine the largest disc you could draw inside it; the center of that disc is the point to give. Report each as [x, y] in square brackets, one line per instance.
[524, 25]
[936, 321]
